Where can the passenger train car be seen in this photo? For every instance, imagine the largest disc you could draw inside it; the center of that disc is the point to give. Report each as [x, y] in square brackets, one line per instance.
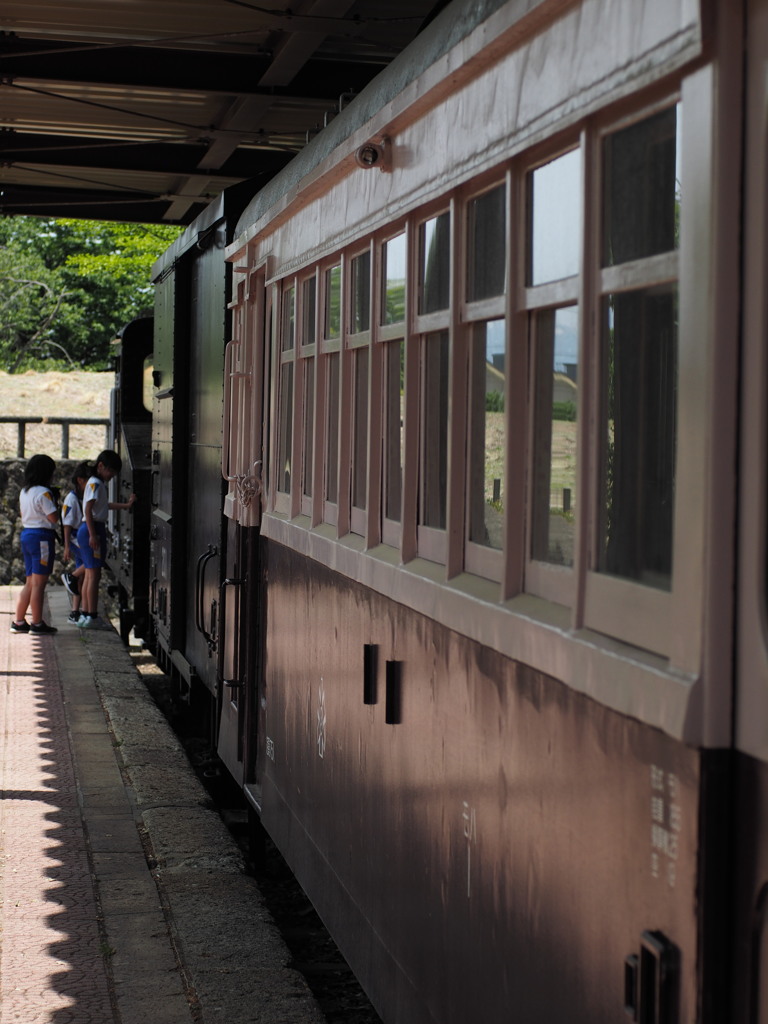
[478, 592]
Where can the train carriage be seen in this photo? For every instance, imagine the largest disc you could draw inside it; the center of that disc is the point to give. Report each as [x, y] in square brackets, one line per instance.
[492, 331]
[489, 586]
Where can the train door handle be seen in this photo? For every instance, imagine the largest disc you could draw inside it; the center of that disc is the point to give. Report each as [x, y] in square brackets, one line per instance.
[211, 552]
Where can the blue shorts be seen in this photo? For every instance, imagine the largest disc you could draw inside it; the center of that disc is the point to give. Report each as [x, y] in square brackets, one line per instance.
[74, 549]
[92, 559]
[38, 547]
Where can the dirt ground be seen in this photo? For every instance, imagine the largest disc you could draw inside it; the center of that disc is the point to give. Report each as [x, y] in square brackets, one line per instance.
[75, 395]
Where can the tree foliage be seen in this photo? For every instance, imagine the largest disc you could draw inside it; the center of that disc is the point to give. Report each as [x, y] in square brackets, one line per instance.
[68, 286]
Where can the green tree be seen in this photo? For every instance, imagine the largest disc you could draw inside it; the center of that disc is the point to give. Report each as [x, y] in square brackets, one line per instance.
[68, 286]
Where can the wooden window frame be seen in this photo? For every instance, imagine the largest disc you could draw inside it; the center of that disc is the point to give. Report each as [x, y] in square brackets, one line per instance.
[628, 610]
[428, 542]
[307, 351]
[325, 510]
[381, 528]
[543, 579]
[358, 518]
[286, 502]
[478, 559]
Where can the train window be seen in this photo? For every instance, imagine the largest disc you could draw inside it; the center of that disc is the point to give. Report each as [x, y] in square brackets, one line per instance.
[333, 302]
[393, 280]
[640, 197]
[553, 197]
[637, 474]
[388, 377]
[394, 371]
[433, 454]
[434, 264]
[361, 362]
[360, 293]
[308, 432]
[332, 395]
[308, 335]
[285, 429]
[288, 333]
[486, 231]
[554, 213]
[553, 478]
[309, 311]
[285, 398]
[486, 434]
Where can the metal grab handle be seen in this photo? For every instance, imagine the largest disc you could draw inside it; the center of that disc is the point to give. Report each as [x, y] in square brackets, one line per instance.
[227, 413]
[202, 562]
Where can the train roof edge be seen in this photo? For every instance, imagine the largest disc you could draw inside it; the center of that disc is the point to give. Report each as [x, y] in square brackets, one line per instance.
[453, 24]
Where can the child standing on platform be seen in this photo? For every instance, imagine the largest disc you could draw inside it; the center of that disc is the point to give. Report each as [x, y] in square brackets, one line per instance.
[71, 518]
[39, 516]
[92, 535]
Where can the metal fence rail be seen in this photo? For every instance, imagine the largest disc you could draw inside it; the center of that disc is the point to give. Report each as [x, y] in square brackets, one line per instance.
[65, 422]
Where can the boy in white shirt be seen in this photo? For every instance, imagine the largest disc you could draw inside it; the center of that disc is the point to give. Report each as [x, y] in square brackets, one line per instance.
[71, 518]
[92, 535]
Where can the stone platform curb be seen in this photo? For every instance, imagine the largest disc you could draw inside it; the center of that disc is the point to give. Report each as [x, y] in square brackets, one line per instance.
[189, 937]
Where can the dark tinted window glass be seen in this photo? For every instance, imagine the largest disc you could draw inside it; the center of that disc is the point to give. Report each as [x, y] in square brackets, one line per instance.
[641, 194]
[434, 263]
[486, 259]
[434, 441]
[638, 467]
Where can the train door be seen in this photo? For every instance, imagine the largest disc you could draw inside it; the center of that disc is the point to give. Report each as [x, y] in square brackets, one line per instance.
[240, 648]
[203, 358]
[750, 822]
[161, 488]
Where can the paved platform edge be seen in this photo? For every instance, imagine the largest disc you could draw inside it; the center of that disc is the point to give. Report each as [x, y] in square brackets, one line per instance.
[230, 957]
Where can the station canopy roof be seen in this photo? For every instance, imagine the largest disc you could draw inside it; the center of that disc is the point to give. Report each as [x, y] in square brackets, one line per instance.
[144, 110]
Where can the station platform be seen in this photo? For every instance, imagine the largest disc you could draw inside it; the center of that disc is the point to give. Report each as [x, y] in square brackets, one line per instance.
[124, 897]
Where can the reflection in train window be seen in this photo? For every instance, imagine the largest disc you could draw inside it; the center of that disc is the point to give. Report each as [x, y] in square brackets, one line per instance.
[360, 358]
[333, 364]
[308, 311]
[486, 229]
[487, 439]
[554, 478]
[434, 436]
[308, 421]
[394, 364]
[434, 264]
[288, 334]
[554, 211]
[333, 302]
[285, 428]
[393, 279]
[637, 478]
[641, 194]
[360, 294]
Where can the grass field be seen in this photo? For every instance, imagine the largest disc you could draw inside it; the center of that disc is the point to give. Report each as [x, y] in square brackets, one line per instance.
[77, 394]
